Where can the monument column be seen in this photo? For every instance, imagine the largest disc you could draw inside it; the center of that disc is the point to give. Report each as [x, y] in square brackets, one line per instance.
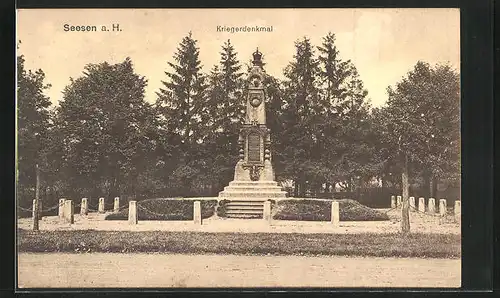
[254, 143]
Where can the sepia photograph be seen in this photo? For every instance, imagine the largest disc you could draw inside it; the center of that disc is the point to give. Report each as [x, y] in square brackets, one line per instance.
[238, 148]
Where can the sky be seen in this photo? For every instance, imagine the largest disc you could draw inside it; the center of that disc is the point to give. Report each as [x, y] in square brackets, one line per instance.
[383, 44]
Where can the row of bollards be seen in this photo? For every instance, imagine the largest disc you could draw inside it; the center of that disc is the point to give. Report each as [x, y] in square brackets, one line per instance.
[66, 211]
[396, 202]
[84, 206]
[116, 205]
[267, 216]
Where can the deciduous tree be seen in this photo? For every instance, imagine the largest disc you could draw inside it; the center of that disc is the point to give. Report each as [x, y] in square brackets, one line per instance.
[33, 124]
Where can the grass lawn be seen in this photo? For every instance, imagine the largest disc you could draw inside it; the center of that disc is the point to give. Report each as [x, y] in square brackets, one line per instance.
[369, 245]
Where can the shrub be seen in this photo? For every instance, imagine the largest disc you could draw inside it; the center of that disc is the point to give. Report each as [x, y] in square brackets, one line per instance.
[221, 208]
[166, 209]
[320, 210]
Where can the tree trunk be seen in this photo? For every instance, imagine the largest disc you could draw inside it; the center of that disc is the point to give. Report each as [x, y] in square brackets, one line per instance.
[296, 188]
[405, 215]
[426, 187]
[433, 187]
[37, 194]
[302, 188]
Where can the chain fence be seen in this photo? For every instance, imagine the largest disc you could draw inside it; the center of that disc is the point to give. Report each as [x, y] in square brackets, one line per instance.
[90, 207]
[41, 210]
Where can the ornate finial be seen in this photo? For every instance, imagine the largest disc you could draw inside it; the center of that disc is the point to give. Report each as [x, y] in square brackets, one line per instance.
[257, 58]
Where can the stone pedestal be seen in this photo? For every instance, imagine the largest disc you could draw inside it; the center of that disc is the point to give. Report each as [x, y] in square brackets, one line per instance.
[412, 204]
[68, 211]
[84, 207]
[432, 205]
[442, 207]
[197, 213]
[335, 217]
[132, 212]
[399, 201]
[100, 208]
[61, 208]
[458, 211]
[267, 212]
[116, 204]
[421, 204]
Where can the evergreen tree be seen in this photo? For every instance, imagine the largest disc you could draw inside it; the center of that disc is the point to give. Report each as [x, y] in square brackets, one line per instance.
[182, 103]
[183, 98]
[232, 85]
[227, 110]
[345, 111]
[300, 140]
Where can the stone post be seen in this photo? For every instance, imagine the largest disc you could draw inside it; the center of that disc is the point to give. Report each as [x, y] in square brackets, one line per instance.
[458, 211]
[398, 203]
[393, 202]
[116, 205]
[35, 215]
[61, 208]
[442, 207]
[68, 211]
[84, 207]
[132, 212]
[197, 213]
[412, 204]
[100, 209]
[432, 205]
[421, 204]
[267, 212]
[335, 218]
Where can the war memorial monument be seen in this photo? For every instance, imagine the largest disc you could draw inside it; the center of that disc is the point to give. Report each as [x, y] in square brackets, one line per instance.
[254, 180]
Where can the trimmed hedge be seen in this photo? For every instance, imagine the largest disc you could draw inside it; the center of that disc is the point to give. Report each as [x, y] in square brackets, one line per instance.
[320, 210]
[166, 209]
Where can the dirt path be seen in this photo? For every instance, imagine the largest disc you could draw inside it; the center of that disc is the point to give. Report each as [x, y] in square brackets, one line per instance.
[172, 270]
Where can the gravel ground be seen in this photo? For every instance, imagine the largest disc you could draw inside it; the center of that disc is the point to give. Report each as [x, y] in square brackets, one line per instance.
[100, 270]
[423, 223]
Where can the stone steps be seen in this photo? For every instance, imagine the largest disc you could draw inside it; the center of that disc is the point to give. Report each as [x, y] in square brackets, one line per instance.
[245, 209]
[252, 194]
[244, 216]
[254, 183]
[246, 198]
[250, 188]
[259, 203]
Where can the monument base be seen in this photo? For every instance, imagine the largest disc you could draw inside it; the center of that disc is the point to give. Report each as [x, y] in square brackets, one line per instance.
[244, 188]
[246, 196]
